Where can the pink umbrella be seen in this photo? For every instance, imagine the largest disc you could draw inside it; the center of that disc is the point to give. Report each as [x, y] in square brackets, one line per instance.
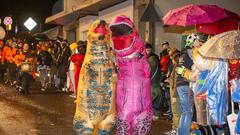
[194, 14]
[223, 25]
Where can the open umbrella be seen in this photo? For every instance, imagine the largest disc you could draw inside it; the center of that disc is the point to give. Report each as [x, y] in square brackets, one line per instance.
[224, 46]
[218, 27]
[194, 14]
[223, 25]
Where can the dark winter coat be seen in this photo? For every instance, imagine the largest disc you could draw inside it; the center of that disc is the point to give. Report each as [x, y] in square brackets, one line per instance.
[186, 61]
[153, 61]
[63, 63]
[44, 58]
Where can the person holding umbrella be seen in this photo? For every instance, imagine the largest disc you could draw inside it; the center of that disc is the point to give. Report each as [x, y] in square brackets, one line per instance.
[224, 47]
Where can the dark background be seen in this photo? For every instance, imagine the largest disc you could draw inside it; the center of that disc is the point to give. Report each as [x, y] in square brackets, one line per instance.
[20, 10]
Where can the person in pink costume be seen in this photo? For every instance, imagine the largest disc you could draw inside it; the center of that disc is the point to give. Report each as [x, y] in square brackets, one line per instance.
[133, 93]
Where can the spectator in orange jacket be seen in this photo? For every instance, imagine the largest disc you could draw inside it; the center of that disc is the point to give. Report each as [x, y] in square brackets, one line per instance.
[10, 54]
[5, 49]
[19, 57]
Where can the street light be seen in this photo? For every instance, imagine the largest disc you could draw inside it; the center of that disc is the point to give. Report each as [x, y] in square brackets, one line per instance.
[30, 24]
[8, 22]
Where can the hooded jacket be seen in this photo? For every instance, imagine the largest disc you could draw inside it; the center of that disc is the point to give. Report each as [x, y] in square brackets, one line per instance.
[186, 61]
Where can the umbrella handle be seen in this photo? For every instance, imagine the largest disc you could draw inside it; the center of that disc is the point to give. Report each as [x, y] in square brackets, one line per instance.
[232, 104]
[238, 105]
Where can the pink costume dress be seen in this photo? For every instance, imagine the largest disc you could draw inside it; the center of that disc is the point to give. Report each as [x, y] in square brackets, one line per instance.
[133, 93]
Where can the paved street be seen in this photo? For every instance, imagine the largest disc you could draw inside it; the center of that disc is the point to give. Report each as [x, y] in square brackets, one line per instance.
[43, 113]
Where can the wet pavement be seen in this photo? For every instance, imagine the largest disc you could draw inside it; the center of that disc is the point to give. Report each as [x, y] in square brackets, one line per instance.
[43, 113]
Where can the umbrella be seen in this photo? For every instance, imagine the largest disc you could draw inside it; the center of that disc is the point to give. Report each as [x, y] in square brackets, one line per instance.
[223, 25]
[224, 46]
[218, 27]
[194, 14]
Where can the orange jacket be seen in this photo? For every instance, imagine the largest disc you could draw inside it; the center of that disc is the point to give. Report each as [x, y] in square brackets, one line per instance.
[19, 58]
[4, 51]
[10, 54]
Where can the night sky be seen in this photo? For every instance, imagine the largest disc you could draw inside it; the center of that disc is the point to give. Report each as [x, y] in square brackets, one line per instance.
[20, 10]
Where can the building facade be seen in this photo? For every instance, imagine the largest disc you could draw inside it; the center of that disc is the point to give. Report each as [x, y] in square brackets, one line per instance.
[77, 16]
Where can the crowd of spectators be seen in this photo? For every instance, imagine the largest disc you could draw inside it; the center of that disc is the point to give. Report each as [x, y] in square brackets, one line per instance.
[22, 63]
